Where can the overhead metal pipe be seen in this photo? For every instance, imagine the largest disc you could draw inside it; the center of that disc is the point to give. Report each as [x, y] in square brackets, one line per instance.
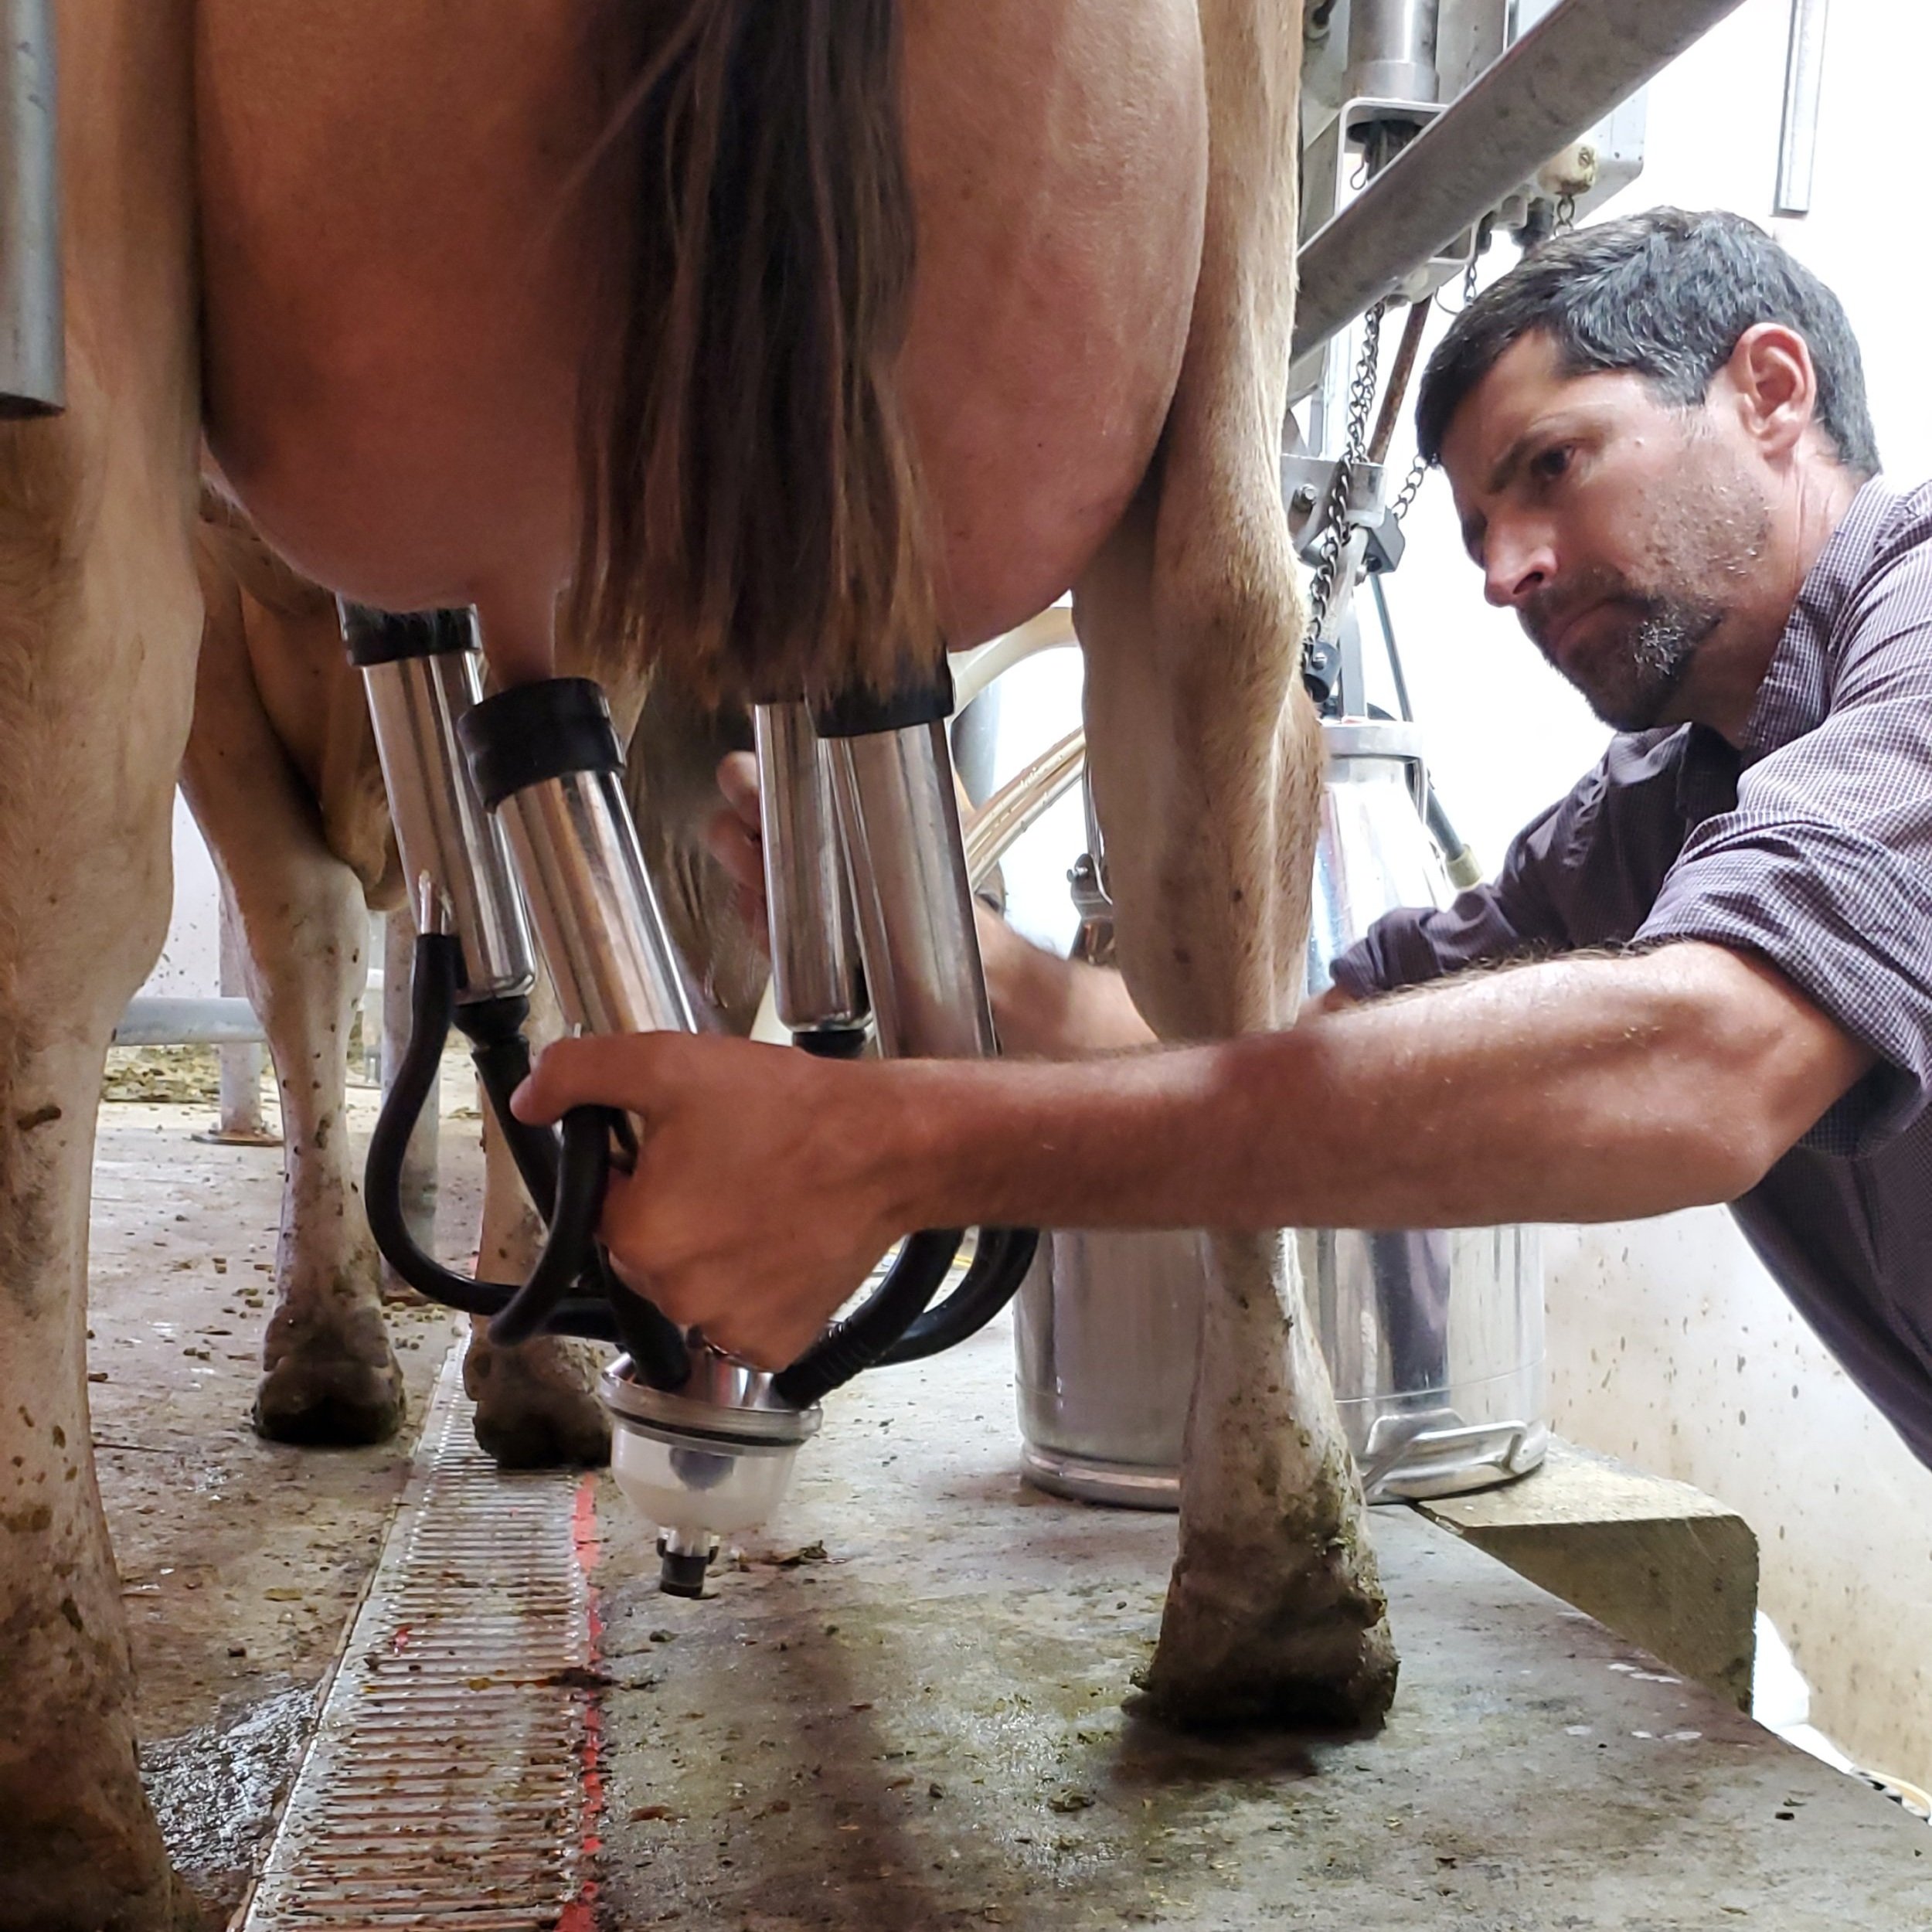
[1558, 81]
[33, 369]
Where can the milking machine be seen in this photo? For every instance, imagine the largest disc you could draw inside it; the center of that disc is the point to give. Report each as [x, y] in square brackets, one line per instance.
[518, 842]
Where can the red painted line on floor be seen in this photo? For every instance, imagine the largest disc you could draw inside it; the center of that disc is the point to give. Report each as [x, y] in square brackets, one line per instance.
[581, 1914]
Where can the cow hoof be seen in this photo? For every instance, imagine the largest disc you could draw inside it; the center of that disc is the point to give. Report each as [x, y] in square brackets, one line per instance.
[62, 1899]
[1341, 1680]
[536, 1405]
[330, 1386]
[79, 1848]
[1291, 1645]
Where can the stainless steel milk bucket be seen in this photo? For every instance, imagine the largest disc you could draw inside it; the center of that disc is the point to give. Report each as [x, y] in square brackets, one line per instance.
[1434, 1339]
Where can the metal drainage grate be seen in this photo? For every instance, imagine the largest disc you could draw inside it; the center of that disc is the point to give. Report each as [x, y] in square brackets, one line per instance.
[452, 1781]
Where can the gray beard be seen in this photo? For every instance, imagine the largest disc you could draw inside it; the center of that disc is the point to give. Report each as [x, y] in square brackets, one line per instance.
[1634, 686]
[1661, 654]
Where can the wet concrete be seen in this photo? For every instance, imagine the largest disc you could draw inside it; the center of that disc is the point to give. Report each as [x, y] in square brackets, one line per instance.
[216, 1788]
[904, 1710]
[241, 1560]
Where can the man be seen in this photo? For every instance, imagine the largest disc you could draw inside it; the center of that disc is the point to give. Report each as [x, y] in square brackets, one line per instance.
[1656, 436]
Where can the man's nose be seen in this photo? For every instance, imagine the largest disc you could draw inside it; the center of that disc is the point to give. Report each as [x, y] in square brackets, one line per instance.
[1516, 564]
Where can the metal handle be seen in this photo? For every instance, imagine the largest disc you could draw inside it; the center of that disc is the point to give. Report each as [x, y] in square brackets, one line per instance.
[898, 814]
[545, 761]
[1394, 1439]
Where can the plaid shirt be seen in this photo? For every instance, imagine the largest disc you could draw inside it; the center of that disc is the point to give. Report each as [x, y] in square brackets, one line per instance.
[1811, 846]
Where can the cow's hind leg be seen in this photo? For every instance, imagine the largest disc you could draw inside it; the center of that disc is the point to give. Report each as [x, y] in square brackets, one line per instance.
[1205, 762]
[98, 620]
[329, 1374]
[537, 1405]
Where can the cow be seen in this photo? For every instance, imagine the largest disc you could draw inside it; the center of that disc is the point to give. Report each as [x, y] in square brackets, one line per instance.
[282, 774]
[767, 345]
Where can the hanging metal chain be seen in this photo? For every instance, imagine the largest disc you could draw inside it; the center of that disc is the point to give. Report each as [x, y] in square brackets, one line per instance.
[1566, 213]
[1333, 542]
[1412, 485]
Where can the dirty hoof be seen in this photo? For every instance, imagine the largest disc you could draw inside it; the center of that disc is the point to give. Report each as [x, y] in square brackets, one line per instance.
[1326, 1681]
[536, 1405]
[329, 1387]
[1302, 1643]
[79, 1849]
[343, 1405]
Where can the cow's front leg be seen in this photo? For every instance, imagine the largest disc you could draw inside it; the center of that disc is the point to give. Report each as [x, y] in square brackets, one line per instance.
[329, 1375]
[1205, 759]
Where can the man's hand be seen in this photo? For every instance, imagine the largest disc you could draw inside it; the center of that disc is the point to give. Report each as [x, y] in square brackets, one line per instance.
[759, 1200]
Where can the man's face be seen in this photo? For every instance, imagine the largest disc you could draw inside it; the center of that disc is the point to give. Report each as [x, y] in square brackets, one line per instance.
[1623, 531]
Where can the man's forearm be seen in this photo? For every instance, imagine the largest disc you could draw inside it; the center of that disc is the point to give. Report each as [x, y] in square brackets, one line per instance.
[1573, 1090]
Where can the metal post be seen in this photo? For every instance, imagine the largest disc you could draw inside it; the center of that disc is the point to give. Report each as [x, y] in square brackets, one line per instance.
[816, 983]
[1804, 84]
[368, 1029]
[239, 1121]
[899, 815]
[419, 1165]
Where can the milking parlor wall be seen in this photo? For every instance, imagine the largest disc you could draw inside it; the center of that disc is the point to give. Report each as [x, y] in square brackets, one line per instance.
[1669, 1345]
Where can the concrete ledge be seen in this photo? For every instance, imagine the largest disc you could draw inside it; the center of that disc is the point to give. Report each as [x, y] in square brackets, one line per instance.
[1666, 1566]
[902, 1711]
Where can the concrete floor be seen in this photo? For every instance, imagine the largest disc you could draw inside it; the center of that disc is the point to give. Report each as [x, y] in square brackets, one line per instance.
[241, 1560]
[904, 1710]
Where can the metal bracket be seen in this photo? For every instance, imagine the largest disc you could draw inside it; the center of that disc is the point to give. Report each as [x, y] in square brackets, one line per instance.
[1307, 483]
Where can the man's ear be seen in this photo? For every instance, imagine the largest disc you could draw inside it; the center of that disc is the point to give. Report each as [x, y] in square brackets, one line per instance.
[1771, 375]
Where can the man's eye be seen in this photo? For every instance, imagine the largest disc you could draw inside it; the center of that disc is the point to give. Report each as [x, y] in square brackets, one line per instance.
[1547, 465]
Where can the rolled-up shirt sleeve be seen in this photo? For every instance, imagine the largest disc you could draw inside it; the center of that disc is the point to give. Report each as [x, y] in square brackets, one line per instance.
[1581, 875]
[1825, 867]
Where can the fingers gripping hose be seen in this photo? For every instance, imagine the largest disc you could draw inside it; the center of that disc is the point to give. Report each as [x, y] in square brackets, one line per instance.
[573, 1184]
[502, 1055]
[893, 1324]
